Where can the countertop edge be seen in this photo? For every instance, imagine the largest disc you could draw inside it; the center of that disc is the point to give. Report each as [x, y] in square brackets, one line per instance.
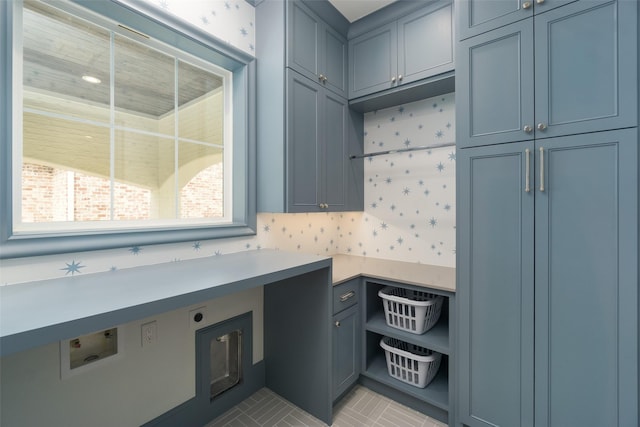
[21, 328]
[349, 267]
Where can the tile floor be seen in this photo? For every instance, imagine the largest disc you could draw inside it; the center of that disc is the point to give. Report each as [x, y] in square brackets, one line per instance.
[360, 408]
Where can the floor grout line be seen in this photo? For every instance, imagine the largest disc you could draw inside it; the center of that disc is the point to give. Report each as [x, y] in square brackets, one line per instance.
[378, 411]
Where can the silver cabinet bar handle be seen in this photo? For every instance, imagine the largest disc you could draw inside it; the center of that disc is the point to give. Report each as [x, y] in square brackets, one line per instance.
[346, 296]
[527, 187]
[541, 169]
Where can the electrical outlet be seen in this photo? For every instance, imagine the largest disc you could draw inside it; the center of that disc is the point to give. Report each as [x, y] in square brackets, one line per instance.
[198, 317]
[149, 333]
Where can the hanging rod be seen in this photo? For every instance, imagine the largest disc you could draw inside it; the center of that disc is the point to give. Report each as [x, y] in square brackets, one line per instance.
[402, 150]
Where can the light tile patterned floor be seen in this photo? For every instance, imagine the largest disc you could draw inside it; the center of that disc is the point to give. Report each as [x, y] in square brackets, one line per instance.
[360, 408]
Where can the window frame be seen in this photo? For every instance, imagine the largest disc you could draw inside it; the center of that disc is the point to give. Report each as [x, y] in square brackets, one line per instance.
[168, 29]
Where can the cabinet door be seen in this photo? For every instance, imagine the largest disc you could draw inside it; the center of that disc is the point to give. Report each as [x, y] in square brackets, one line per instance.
[495, 286]
[586, 286]
[425, 43]
[304, 30]
[373, 61]
[586, 68]
[303, 139]
[479, 16]
[494, 86]
[346, 350]
[334, 63]
[334, 155]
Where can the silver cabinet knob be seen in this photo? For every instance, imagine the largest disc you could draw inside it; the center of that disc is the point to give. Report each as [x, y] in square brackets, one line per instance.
[541, 126]
[393, 79]
[400, 77]
[322, 78]
[526, 5]
[539, 1]
[527, 129]
[337, 323]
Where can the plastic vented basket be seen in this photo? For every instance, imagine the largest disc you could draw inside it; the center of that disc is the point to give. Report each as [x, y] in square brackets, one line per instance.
[410, 363]
[409, 310]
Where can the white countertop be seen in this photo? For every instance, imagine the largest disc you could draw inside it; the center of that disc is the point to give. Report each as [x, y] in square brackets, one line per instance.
[346, 267]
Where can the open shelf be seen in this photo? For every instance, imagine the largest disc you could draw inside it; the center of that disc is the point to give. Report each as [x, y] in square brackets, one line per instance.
[436, 393]
[436, 396]
[436, 338]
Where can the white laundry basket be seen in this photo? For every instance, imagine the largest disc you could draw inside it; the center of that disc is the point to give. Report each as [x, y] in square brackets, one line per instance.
[409, 310]
[410, 363]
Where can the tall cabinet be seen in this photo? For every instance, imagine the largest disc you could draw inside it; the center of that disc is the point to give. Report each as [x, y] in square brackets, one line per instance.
[547, 115]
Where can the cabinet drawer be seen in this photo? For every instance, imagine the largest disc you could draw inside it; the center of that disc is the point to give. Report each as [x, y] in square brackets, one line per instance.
[345, 295]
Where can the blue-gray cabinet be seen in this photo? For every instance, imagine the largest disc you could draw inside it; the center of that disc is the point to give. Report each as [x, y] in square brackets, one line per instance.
[586, 280]
[315, 49]
[305, 131]
[584, 78]
[346, 337]
[318, 161]
[478, 16]
[495, 289]
[406, 50]
[548, 282]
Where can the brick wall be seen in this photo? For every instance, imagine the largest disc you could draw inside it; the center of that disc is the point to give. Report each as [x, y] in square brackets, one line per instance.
[46, 198]
[202, 196]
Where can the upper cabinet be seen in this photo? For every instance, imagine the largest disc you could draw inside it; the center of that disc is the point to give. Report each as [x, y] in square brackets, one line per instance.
[318, 163]
[306, 131]
[316, 50]
[478, 16]
[407, 50]
[502, 96]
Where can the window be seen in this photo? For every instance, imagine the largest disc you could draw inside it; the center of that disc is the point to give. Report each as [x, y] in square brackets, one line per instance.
[116, 137]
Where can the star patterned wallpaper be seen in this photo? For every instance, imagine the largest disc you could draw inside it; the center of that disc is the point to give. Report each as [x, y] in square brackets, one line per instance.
[409, 210]
[231, 21]
[409, 196]
[409, 213]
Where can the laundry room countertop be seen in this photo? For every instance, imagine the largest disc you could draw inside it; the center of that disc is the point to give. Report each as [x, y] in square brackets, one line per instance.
[41, 312]
[347, 267]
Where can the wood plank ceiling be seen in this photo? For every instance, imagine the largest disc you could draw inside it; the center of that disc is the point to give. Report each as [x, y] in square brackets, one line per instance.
[59, 49]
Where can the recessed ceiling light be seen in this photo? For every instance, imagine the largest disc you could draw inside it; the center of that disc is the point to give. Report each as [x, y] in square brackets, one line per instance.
[91, 79]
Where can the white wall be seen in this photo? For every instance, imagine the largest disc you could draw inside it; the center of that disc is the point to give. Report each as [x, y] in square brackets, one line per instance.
[129, 391]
